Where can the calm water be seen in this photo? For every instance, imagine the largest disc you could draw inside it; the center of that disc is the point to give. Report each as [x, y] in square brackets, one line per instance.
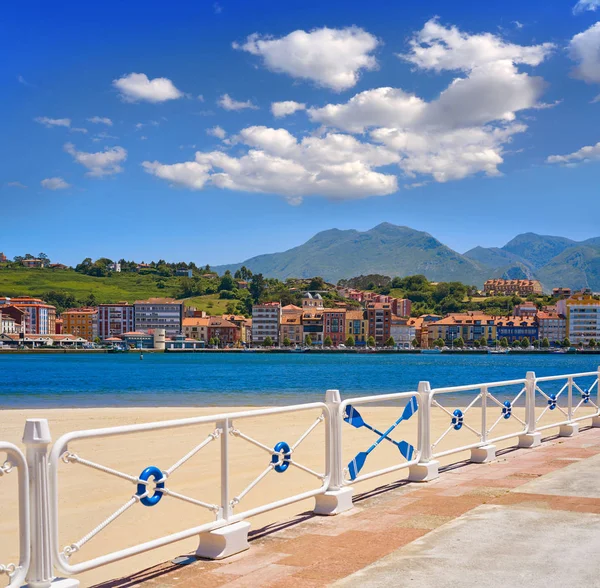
[249, 378]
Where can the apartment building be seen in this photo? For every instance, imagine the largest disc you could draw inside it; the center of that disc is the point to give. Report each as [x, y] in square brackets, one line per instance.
[357, 326]
[114, 319]
[402, 331]
[40, 318]
[8, 325]
[552, 326]
[334, 325]
[468, 326]
[291, 324]
[583, 317]
[225, 332]
[266, 320]
[312, 318]
[516, 328]
[499, 287]
[196, 328]
[401, 306]
[81, 322]
[158, 313]
[379, 316]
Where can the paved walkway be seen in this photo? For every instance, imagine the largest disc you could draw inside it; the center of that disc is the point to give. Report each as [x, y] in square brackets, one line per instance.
[520, 520]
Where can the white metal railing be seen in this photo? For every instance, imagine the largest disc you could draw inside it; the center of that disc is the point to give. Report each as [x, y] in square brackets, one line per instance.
[16, 572]
[40, 552]
[149, 493]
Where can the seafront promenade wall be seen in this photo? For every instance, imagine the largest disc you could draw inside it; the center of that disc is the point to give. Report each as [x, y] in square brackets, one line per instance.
[247, 463]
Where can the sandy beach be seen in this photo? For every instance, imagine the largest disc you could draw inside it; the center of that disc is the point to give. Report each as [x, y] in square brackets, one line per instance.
[88, 496]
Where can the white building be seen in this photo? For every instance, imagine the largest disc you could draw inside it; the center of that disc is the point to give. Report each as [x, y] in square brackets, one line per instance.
[158, 313]
[583, 317]
[402, 332]
[266, 320]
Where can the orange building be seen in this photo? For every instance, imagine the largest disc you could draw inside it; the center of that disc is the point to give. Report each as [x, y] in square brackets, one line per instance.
[82, 322]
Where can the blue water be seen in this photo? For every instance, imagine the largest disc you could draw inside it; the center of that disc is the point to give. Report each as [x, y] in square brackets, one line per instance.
[206, 379]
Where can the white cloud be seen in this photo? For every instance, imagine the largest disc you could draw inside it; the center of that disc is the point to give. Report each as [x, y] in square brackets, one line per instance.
[335, 166]
[79, 130]
[135, 87]
[102, 163]
[280, 109]
[16, 185]
[584, 5]
[447, 48]
[584, 48]
[53, 122]
[23, 81]
[583, 155]
[217, 132]
[228, 103]
[103, 136]
[332, 58]
[101, 120]
[55, 184]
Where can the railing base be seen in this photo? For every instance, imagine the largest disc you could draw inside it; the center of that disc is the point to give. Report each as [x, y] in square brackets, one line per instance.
[568, 430]
[596, 422]
[424, 472]
[56, 583]
[483, 454]
[224, 542]
[528, 440]
[334, 501]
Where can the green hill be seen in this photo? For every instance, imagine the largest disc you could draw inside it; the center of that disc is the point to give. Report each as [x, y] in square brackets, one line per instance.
[385, 249]
[115, 288]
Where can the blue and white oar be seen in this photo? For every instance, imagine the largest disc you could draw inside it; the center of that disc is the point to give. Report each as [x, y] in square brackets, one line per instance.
[406, 449]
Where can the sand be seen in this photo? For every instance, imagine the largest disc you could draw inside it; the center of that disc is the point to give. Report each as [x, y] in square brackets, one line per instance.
[87, 496]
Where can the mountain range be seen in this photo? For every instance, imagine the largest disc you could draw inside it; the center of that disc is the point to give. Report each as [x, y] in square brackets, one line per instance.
[400, 251]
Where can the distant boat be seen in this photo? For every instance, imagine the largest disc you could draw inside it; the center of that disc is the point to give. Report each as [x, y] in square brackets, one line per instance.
[435, 350]
[498, 351]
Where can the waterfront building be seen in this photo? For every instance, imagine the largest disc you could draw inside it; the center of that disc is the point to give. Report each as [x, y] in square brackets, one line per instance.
[158, 313]
[552, 326]
[379, 316]
[526, 309]
[312, 318]
[401, 331]
[8, 324]
[40, 318]
[499, 287]
[182, 342]
[334, 325]
[583, 317]
[196, 327]
[114, 319]
[34, 340]
[225, 332]
[468, 326]
[357, 326]
[241, 324]
[82, 322]
[291, 324]
[421, 325]
[516, 328]
[14, 318]
[401, 306]
[138, 339]
[266, 320]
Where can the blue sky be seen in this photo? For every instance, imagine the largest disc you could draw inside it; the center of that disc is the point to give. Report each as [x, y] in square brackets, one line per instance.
[458, 118]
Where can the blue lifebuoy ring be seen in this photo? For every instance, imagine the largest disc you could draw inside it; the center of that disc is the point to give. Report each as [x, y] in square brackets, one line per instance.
[552, 402]
[281, 448]
[585, 395]
[457, 419]
[507, 410]
[156, 474]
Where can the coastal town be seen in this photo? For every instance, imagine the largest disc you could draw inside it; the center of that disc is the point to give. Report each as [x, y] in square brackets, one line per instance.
[355, 320]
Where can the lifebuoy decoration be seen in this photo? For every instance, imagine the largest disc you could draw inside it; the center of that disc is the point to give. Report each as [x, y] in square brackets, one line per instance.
[282, 455]
[552, 402]
[457, 419]
[507, 410]
[156, 474]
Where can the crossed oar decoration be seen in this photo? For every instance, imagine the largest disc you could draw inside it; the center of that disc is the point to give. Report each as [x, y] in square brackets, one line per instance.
[354, 418]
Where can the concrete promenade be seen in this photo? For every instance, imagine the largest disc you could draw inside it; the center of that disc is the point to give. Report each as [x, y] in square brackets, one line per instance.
[532, 517]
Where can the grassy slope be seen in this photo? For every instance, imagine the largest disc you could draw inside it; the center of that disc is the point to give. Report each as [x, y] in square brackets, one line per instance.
[210, 303]
[129, 287]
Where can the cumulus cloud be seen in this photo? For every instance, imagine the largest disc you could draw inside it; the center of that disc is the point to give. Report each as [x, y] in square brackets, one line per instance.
[54, 184]
[280, 109]
[19, 185]
[583, 155]
[228, 103]
[332, 58]
[53, 122]
[217, 132]
[102, 163]
[584, 48]
[79, 130]
[584, 5]
[101, 120]
[442, 48]
[136, 87]
[463, 130]
[336, 166]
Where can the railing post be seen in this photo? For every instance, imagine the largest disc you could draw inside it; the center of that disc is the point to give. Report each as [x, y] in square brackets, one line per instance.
[570, 428]
[427, 468]
[229, 539]
[486, 452]
[36, 438]
[530, 438]
[337, 498]
[596, 419]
